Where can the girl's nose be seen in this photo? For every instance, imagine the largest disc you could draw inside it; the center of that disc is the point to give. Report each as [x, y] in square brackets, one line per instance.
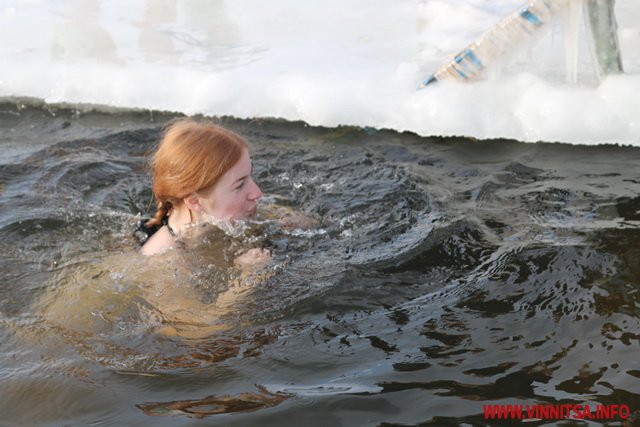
[255, 193]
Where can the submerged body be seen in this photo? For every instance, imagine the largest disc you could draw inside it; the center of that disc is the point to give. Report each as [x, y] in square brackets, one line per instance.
[121, 292]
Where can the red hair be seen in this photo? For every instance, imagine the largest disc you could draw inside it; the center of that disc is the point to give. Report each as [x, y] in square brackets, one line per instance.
[192, 156]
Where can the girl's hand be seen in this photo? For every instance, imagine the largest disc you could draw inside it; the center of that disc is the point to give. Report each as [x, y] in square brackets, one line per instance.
[253, 257]
[298, 220]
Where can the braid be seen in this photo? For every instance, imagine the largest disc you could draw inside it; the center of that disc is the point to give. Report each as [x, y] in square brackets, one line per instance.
[163, 209]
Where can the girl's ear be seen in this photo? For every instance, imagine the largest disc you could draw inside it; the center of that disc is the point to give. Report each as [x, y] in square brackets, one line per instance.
[192, 201]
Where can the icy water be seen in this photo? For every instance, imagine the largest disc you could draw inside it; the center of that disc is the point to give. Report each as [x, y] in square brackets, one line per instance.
[442, 275]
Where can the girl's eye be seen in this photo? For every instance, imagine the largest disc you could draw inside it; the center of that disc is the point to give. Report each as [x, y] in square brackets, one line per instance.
[240, 186]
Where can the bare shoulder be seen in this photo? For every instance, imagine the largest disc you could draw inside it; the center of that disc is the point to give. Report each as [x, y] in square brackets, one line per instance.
[158, 243]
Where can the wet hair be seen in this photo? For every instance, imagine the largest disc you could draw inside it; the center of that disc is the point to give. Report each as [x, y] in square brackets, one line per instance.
[192, 156]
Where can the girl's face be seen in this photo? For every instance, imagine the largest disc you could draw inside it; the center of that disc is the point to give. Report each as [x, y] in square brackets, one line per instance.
[235, 195]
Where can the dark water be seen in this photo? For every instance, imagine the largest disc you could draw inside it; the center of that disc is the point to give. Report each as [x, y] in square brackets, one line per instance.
[443, 275]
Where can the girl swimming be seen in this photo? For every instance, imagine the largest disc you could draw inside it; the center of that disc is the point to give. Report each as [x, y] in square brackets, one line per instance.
[201, 171]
